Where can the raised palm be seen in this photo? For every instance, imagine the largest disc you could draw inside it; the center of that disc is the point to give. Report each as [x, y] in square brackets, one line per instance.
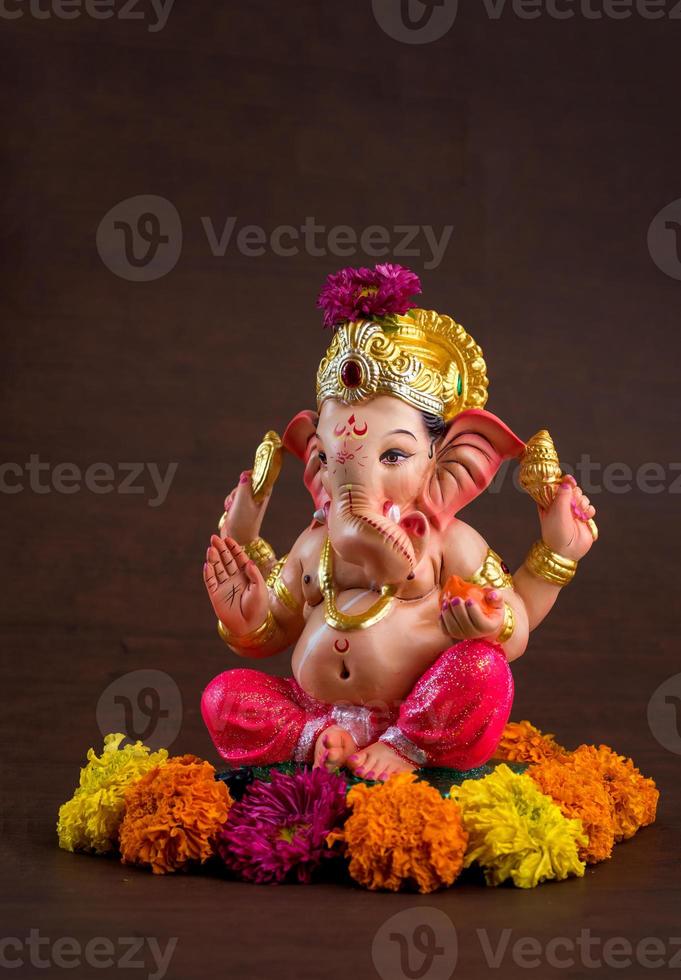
[235, 587]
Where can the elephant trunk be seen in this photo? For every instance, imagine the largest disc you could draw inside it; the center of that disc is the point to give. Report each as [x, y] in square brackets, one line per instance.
[361, 534]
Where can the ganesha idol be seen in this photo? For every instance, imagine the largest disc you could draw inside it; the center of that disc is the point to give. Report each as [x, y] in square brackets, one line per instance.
[402, 619]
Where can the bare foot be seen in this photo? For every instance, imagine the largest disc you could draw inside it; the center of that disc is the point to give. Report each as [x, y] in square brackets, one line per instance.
[378, 761]
[333, 747]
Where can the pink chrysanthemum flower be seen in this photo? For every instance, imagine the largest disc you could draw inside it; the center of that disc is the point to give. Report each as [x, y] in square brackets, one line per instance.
[355, 293]
[278, 830]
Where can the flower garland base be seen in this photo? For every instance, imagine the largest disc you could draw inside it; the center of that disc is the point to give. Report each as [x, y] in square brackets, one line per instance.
[537, 813]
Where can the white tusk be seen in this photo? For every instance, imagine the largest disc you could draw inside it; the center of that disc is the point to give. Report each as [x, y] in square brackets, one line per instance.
[394, 514]
[320, 516]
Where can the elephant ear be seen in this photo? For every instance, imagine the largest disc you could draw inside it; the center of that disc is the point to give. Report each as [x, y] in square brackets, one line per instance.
[468, 457]
[300, 438]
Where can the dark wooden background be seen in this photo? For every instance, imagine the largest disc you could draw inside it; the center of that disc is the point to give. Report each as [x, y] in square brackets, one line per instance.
[549, 146]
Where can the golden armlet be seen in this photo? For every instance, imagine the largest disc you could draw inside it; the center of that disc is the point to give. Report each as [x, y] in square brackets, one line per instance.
[493, 572]
[546, 564]
[260, 551]
[250, 641]
[279, 588]
[507, 626]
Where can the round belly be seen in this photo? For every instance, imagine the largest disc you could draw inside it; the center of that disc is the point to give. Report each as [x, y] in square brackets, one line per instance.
[380, 664]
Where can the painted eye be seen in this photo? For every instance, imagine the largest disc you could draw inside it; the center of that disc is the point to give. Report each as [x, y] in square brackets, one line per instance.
[322, 458]
[393, 456]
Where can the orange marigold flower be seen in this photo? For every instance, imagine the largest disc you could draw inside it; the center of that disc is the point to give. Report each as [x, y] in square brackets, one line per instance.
[522, 742]
[579, 793]
[173, 815]
[402, 832]
[634, 797]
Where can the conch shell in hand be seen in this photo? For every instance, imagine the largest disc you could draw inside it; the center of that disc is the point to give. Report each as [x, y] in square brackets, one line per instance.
[540, 472]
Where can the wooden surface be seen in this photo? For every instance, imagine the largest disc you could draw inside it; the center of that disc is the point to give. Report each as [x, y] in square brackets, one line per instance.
[549, 146]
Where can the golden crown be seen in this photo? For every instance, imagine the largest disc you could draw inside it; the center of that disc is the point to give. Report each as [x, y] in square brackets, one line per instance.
[425, 359]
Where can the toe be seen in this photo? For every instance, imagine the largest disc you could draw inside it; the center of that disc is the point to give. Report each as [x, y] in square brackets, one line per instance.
[333, 748]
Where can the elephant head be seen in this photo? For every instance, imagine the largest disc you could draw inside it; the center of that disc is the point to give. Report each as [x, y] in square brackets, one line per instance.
[387, 476]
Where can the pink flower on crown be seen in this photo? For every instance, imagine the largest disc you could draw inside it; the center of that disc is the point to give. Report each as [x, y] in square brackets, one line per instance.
[354, 294]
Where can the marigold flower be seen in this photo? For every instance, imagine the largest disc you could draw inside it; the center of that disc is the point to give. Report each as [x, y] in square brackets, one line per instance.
[516, 832]
[89, 821]
[580, 793]
[173, 815]
[634, 796]
[278, 830]
[522, 742]
[402, 832]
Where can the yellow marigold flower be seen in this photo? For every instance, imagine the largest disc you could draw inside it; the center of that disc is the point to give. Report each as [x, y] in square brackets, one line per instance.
[634, 797]
[402, 832]
[522, 742]
[516, 832]
[580, 793]
[89, 821]
[173, 815]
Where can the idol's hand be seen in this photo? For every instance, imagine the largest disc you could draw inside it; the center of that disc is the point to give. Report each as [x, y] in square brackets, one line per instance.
[468, 619]
[235, 587]
[564, 526]
[243, 515]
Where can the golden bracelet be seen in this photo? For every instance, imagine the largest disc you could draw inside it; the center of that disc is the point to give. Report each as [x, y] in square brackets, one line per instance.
[508, 625]
[546, 564]
[250, 641]
[260, 551]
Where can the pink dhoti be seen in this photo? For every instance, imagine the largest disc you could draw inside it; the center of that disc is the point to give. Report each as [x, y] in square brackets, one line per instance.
[453, 716]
